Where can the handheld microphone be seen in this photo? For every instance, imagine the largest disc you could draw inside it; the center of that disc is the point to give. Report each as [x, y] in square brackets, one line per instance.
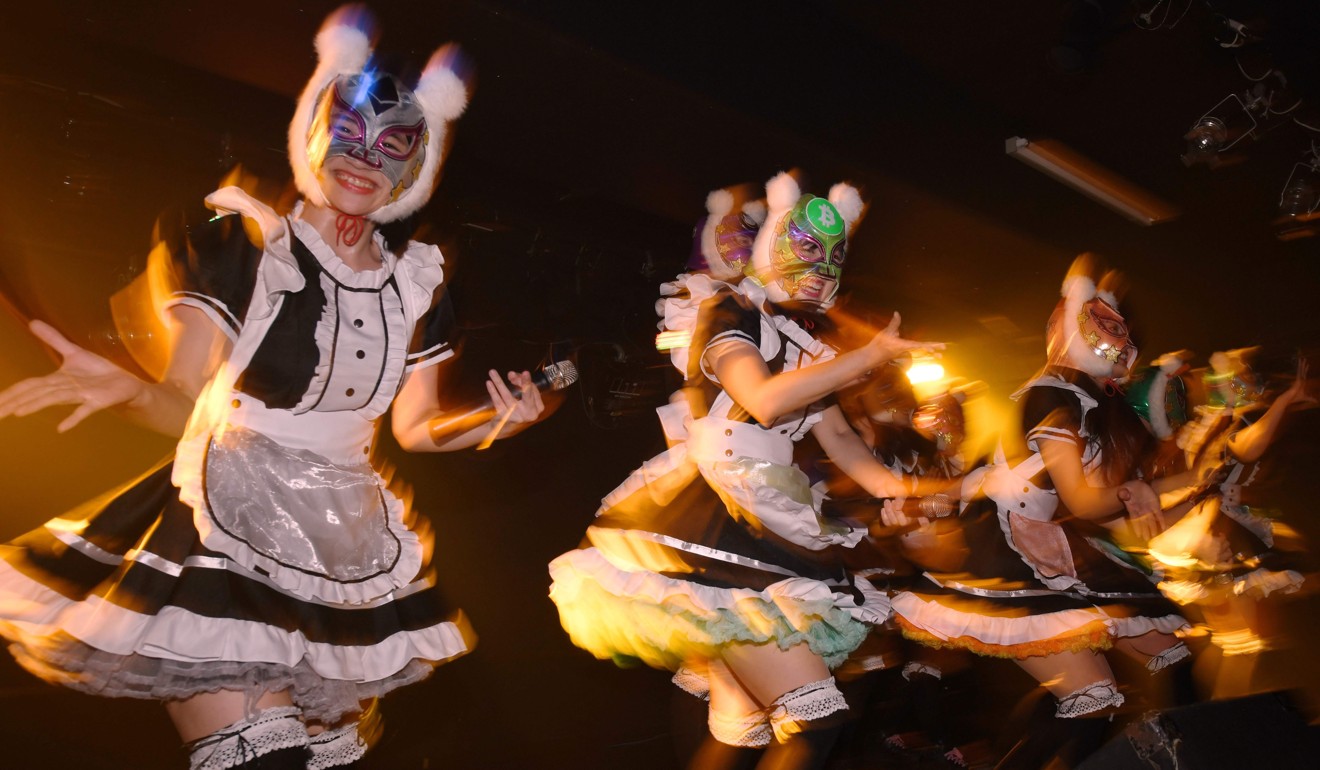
[461, 419]
[931, 507]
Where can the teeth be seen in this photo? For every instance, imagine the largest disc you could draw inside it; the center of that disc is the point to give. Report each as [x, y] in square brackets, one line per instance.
[353, 181]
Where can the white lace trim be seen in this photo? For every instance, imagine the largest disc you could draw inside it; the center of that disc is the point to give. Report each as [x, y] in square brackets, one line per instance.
[805, 704]
[271, 730]
[1168, 657]
[1089, 699]
[912, 668]
[692, 682]
[747, 730]
[336, 748]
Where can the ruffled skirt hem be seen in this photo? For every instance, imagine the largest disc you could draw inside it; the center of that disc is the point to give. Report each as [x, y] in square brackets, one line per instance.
[628, 615]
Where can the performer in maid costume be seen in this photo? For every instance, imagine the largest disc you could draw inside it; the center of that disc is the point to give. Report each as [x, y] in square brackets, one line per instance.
[1053, 589]
[267, 582]
[713, 557]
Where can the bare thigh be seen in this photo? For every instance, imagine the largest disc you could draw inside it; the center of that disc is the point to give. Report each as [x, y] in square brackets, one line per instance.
[204, 713]
[1064, 673]
[750, 677]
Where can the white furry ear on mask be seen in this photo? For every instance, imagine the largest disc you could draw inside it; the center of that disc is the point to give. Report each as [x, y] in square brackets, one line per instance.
[848, 201]
[440, 90]
[719, 203]
[343, 46]
[755, 211]
[443, 96]
[782, 192]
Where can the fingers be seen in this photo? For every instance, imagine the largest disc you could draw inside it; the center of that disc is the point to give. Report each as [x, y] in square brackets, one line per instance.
[500, 395]
[531, 404]
[81, 413]
[892, 328]
[47, 334]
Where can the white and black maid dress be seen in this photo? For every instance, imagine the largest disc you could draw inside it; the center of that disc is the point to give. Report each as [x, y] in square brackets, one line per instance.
[719, 539]
[1039, 580]
[268, 554]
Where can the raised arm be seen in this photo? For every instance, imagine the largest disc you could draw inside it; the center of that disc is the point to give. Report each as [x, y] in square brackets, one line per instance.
[417, 405]
[91, 383]
[1063, 461]
[1248, 444]
[847, 450]
[744, 375]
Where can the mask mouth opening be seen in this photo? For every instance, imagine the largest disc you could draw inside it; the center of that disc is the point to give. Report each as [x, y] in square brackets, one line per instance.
[814, 287]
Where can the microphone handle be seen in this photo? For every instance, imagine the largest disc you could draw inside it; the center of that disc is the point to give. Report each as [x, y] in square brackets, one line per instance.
[462, 419]
[930, 507]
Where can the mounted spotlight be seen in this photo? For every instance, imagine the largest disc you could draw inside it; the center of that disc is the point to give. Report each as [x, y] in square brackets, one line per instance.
[1300, 199]
[1222, 127]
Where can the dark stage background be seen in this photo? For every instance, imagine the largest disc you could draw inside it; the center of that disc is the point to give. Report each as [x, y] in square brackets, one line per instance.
[594, 134]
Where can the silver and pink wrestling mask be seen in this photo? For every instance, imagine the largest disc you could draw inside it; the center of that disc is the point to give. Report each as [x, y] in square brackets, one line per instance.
[375, 119]
[348, 108]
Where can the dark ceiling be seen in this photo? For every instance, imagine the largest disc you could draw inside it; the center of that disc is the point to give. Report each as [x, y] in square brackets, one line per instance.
[597, 128]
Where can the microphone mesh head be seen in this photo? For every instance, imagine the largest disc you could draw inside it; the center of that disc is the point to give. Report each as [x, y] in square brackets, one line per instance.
[561, 374]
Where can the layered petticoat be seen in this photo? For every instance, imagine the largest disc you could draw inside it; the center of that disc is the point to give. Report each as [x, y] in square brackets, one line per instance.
[621, 614]
[999, 607]
[120, 598]
[667, 576]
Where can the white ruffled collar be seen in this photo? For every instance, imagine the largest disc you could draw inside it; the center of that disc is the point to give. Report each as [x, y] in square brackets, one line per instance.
[332, 264]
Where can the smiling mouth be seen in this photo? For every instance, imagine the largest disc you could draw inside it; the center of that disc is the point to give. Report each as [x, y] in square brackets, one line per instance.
[812, 287]
[355, 183]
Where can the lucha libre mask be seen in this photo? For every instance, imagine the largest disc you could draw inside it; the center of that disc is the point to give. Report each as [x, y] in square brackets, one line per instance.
[808, 250]
[349, 109]
[722, 243]
[1232, 384]
[1106, 333]
[1158, 394]
[373, 118]
[941, 421]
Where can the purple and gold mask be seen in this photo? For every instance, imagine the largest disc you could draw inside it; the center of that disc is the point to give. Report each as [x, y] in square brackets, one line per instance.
[375, 119]
[1106, 333]
[941, 421]
[809, 247]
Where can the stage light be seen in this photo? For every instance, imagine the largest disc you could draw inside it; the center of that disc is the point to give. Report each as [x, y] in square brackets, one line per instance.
[924, 370]
[1219, 129]
[1299, 201]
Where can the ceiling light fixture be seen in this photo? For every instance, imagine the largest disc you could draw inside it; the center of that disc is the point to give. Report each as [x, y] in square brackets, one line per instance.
[1091, 179]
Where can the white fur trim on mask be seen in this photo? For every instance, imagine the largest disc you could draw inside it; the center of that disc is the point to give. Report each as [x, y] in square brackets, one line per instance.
[1077, 291]
[340, 50]
[1108, 297]
[443, 97]
[755, 211]
[719, 203]
[781, 193]
[848, 201]
[1158, 419]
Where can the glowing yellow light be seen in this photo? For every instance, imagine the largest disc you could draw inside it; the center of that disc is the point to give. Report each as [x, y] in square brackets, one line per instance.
[924, 371]
[671, 340]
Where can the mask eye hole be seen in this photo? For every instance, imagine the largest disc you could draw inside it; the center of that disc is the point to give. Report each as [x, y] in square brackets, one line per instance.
[400, 143]
[346, 125]
[808, 249]
[840, 254]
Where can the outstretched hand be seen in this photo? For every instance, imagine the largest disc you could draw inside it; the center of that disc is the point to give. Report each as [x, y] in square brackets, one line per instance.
[888, 345]
[84, 379]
